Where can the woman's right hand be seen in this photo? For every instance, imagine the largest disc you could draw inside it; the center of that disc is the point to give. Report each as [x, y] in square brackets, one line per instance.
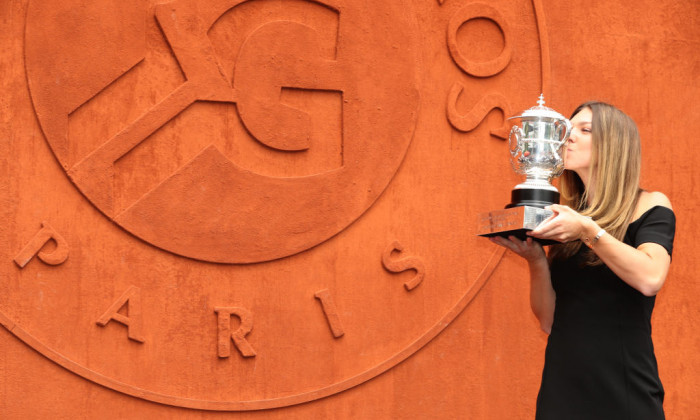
[528, 249]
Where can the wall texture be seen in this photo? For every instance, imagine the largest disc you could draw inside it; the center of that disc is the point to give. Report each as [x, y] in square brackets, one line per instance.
[267, 208]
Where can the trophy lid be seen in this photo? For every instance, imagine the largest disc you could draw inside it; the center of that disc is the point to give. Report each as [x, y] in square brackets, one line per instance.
[540, 111]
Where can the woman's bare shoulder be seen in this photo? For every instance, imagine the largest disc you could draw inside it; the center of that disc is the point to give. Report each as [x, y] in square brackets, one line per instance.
[649, 199]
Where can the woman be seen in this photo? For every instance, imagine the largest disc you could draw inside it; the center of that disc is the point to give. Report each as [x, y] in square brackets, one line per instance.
[594, 293]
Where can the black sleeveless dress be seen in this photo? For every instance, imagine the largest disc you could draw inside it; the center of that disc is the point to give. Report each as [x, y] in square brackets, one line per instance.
[599, 362]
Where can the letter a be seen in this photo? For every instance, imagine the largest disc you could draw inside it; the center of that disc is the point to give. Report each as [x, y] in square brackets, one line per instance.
[133, 321]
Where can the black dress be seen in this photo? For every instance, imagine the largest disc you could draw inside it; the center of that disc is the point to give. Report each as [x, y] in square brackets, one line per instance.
[599, 362]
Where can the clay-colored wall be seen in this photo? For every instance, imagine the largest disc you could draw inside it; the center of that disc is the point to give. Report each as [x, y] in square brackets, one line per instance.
[266, 209]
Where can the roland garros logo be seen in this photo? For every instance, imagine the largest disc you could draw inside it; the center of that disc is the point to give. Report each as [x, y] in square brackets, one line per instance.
[243, 132]
[208, 205]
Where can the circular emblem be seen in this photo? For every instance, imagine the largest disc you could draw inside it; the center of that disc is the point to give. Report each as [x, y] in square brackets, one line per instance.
[219, 198]
[314, 169]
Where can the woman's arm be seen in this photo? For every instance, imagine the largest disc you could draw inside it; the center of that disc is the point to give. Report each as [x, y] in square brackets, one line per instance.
[542, 294]
[643, 268]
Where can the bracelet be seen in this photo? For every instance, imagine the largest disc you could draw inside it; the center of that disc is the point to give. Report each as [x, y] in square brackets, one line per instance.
[590, 242]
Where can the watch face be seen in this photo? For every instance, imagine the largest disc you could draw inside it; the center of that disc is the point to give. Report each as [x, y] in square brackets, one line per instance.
[243, 205]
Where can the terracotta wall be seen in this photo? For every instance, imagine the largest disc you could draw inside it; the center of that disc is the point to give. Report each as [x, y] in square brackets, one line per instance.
[267, 209]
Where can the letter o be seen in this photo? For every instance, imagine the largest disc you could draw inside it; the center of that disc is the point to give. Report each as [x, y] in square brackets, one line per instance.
[474, 68]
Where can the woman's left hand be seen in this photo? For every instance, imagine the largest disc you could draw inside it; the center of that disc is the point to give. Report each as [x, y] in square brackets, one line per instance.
[565, 225]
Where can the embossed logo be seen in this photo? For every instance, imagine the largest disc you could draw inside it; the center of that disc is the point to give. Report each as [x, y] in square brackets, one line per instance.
[328, 153]
[307, 135]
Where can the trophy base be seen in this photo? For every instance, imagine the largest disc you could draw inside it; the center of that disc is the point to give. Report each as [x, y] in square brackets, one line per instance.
[513, 221]
[534, 197]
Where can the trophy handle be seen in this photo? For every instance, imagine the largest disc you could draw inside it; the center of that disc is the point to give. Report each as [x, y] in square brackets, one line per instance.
[566, 125]
[514, 145]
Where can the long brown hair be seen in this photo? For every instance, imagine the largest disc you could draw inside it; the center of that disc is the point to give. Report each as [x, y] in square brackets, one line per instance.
[615, 168]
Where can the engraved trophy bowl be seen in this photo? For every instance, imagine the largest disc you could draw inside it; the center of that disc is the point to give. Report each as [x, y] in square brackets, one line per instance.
[535, 151]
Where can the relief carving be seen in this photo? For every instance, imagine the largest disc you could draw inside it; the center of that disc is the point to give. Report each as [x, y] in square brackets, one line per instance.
[133, 320]
[208, 205]
[225, 335]
[469, 121]
[476, 68]
[285, 68]
[403, 264]
[331, 312]
[45, 234]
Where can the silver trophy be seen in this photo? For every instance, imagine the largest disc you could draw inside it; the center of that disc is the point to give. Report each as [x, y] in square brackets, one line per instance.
[535, 151]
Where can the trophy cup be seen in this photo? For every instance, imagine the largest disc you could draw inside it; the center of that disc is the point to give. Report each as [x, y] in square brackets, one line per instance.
[535, 149]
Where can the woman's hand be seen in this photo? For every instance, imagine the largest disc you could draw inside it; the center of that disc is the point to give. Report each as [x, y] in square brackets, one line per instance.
[530, 250]
[565, 225]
